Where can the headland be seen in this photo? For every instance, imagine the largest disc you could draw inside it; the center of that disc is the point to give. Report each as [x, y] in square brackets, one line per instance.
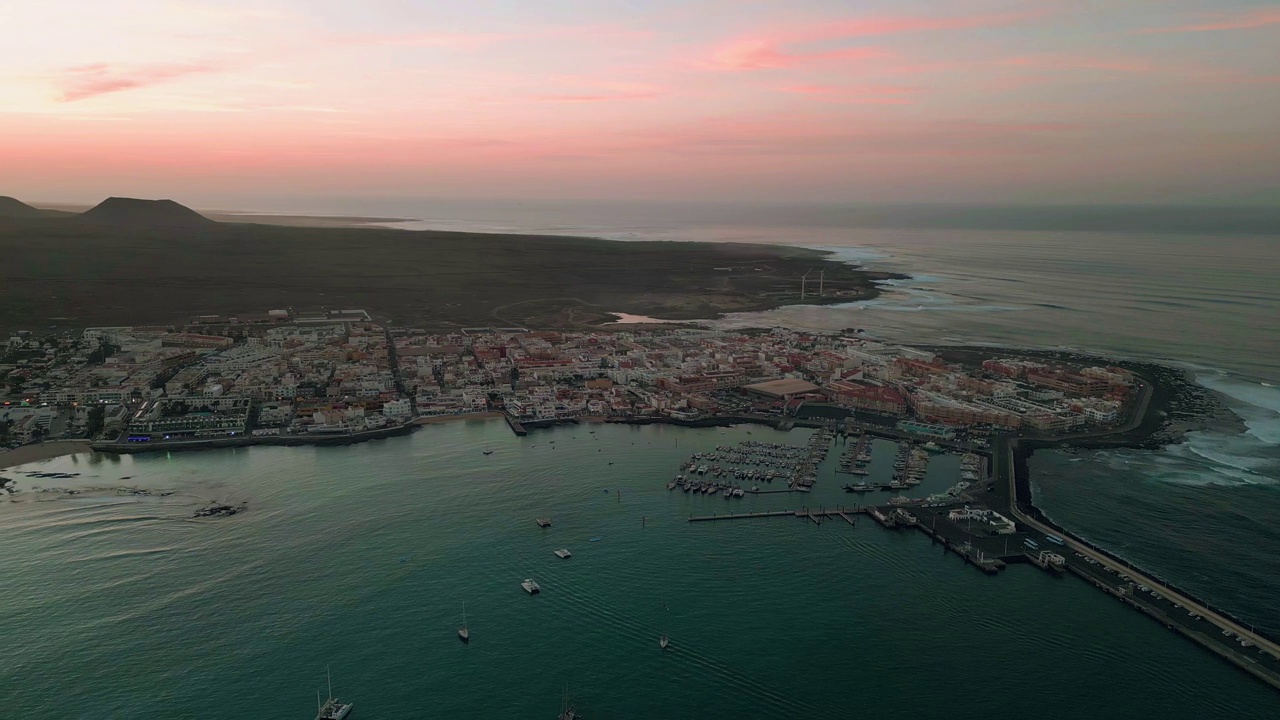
[164, 264]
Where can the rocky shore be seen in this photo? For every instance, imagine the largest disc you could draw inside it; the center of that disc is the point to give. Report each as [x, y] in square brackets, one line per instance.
[1178, 404]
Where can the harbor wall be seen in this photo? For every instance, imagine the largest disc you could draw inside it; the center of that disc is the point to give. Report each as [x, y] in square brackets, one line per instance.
[128, 448]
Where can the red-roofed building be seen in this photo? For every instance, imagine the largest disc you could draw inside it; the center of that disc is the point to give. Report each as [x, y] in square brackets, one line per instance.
[920, 368]
[872, 398]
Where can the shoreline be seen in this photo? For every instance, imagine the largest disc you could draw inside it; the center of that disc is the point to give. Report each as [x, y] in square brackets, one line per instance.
[38, 452]
[1155, 427]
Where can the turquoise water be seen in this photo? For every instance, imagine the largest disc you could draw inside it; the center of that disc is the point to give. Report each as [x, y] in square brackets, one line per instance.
[361, 557]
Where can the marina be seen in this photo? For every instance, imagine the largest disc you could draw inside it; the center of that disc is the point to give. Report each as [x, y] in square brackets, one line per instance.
[753, 461]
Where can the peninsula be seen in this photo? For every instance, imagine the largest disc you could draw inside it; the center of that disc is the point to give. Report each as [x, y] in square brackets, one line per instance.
[157, 262]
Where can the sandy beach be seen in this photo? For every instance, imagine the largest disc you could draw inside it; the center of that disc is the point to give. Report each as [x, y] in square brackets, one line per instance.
[42, 451]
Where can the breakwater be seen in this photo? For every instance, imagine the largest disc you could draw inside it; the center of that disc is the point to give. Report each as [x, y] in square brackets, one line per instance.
[127, 448]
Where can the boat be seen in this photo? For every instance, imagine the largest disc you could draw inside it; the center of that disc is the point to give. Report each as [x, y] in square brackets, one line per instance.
[595, 539]
[543, 521]
[488, 452]
[568, 713]
[530, 586]
[564, 554]
[331, 709]
[664, 642]
[463, 633]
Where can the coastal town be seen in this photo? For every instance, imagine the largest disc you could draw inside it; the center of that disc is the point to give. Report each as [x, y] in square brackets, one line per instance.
[336, 375]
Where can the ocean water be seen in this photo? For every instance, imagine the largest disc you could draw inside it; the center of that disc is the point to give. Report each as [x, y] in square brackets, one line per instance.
[360, 558]
[1196, 288]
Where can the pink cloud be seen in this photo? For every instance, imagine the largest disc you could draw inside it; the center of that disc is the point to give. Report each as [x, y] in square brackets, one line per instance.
[862, 94]
[767, 54]
[444, 40]
[87, 81]
[821, 136]
[602, 96]
[869, 27]
[1082, 62]
[472, 40]
[1247, 21]
[787, 48]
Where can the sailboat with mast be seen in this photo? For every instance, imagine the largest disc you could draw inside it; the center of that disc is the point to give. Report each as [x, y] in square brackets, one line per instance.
[463, 633]
[331, 709]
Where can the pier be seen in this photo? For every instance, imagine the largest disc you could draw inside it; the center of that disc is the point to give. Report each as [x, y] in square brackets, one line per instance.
[516, 427]
[816, 516]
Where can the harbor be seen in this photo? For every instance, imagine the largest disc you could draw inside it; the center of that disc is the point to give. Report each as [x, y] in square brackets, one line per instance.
[977, 520]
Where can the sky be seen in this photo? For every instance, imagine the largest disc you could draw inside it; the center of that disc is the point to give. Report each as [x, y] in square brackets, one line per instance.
[242, 104]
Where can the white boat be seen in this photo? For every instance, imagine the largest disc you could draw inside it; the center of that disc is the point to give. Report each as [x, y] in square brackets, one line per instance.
[664, 642]
[463, 633]
[530, 586]
[331, 709]
[563, 554]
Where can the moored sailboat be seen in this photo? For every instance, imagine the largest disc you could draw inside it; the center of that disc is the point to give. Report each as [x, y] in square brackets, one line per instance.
[331, 709]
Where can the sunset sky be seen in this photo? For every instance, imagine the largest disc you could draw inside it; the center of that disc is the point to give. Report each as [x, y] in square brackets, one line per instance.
[830, 100]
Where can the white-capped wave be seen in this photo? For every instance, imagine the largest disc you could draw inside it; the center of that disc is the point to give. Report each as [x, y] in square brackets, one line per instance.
[1258, 404]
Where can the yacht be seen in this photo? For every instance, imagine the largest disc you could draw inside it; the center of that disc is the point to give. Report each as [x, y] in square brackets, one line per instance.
[543, 522]
[564, 554]
[331, 709]
[530, 586]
